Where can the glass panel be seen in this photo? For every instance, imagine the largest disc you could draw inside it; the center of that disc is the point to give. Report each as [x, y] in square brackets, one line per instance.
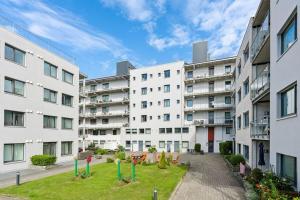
[288, 169]
[18, 121]
[8, 152]
[67, 77]
[47, 70]
[19, 87]
[9, 53]
[288, 36]
[53, 71]
[8, 118]
[67, 123]
[18, 152]
[8, 86]
[19, 57]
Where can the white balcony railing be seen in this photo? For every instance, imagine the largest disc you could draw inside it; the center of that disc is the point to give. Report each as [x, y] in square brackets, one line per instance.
[206, 91]
[207, 107]
[208, 76]
[107, 89]
[102, 126]
[210, 122]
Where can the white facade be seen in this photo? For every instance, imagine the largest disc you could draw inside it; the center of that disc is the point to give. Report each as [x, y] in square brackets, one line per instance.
[23, 107]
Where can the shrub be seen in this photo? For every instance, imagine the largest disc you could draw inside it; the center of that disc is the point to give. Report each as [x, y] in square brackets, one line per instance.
[43, 160]
[92, 147]
[101, 151]
[128, 159]
[197, 147]
[225, 147]
[109, 160]
[256, 176]
[152, 149]
[162, 161]
[120, 155]
[120, 148]
[236, 159]
[228, 157]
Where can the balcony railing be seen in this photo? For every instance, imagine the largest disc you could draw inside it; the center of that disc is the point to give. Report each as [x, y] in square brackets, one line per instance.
[104, 114]
[208, 76]
[208, 92]
[99, 90]
[261, 83]
[211, 122]
[215, 106]
[260, 37]
[260, 128]
[102, 126]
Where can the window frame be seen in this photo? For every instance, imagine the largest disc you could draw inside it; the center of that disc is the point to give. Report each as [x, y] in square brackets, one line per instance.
[51, 66]
[13, 153]
[63, 125]
[292, 86]
[13, 85]
[63, 77]
[14, 54]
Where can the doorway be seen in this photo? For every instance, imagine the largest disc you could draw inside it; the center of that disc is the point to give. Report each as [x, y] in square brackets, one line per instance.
[176, 146]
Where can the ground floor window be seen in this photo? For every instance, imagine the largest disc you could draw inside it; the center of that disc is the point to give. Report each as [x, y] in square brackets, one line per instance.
[66, 148]
[13, 152]
[49, 148]
[287, 167]
[128, 143]
[239, 149]
[161, 144]
[185, 144]
[246, 152]
[148, 144]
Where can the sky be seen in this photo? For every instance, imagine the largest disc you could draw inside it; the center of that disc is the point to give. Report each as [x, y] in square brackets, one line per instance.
[99, 33]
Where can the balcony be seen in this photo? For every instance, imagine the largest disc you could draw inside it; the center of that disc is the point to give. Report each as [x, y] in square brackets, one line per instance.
[210, 122]
[108, 102]
[222, 91]
[105, 114]
[261, 129]
[110, 89]
[261, 85]
[206, 107]
[207, 77]
[102, 126]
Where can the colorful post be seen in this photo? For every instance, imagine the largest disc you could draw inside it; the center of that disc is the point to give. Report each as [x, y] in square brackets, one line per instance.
[119, 170]
[75, 166]
[88, 160]
[132, 171]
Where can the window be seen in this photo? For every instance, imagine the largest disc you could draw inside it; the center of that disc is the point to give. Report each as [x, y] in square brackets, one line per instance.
[148, 130]
[161, 144]
[246, 86]
[211, 71]
[190, 74]
[159, 74]
[178, 86]
[239, 148]
[178, 71]
[144, 77]
[67, 77]
[105, 86]
[189, 88]
[141, 131]
[246, 152]
[239, 96]
[227, 85]
[177, 130]
[150, 103]
[93, 121]
[133, 91]
[67, 100]
[50, 70]
[167, 73]
[185, 144]
[159, 88]
[178, 116]
[105, 121]
[166, 117]
[147, 144]
[13, 152]
[287, 167]
[14, 86]
[168, 130]
[166, 102]
[128, 131]
[93, 110]
[246, 53]
[143, 118]
[49, 121]
[211, 86]
[239, 122]
[50, 95]
[128, 144]
[239, 69]
[246, 119]
[144, 91]
[178, 101]
[228, 130]
[189, 103]
[227, 69]
[158, 117]
[144, 104]
[14, 54]
[228, 118]
[151, 75]
[93, 88]
[49, 148]
[185, 130]
[133, 78]
[66, 123]
[162, 130]
[158, 103]
[227, 100]
[288, 35]
[133, 118]
[189, 117]
[66, 148]
[151, 89]
[13, 118]
[105, 98]
[288, 101]
[166, 88]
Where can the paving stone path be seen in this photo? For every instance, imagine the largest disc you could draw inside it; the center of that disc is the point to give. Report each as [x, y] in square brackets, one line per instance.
[208, 178]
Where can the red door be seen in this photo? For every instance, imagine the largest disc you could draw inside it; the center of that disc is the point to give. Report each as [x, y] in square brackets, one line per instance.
[211, 138]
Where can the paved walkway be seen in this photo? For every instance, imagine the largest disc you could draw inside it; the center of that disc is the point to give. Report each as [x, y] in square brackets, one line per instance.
[208, 178]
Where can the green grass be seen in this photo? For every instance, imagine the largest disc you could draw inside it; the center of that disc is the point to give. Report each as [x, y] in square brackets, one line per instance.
[103, 184]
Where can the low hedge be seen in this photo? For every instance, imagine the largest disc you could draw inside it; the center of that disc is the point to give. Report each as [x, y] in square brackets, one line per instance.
[43, 160]
[101, 151]
[236, 159]
[197, 148]
[225, 147]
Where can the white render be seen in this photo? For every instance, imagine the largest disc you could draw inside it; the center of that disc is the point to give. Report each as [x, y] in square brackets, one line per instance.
[33, 135]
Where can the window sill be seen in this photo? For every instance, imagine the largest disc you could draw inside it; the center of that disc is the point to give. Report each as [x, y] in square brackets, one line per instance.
[15, 63]
[50, 128]
[286, 117]
[286, 50]
[51, 77]
[14, 162]
[13, 94]
[14, 126]
[68, 83]
[51, 102]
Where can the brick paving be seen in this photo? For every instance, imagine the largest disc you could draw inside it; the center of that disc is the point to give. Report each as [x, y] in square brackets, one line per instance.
[208, 178]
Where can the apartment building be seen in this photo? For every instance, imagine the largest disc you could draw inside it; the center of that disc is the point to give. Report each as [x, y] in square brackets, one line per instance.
[156, 110]
[284, 95]
[104, 108]
[208, 101]
[39, 102]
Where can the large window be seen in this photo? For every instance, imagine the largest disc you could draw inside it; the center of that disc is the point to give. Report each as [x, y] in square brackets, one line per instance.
[105, 98]
[189, 103]
[50, 95]
[189, 88]
[227, 100]
[167, 73]
[13, 152]
[246, 86]
[287, 167]
[49, 148]
[13, 118]
[167, 88]
[144, 77]
[246, 152]
[67, 100]
[189, 117]
[66, 148]
[14, 54]
[14, 86]
[67, 77]
[288, 35]
[185, 130]
[227, 69]
[50, 70]
[66, 123]
[246, 119]
[49, 121]
[288, 101]
[166, 102]
[105, 86]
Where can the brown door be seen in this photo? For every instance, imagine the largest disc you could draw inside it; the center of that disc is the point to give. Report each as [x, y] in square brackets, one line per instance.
[211, 138]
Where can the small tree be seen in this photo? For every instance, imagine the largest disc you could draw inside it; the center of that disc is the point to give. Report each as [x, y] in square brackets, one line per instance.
[162, 161]
[197, 147]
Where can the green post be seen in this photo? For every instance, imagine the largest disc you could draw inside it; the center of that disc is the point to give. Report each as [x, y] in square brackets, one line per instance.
[119, 170]
[87, 170]
[132, 171]
[76, 167]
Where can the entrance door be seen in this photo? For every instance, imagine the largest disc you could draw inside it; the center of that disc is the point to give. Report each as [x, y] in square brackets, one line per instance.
[141, 145]
[210, 146]
[176, 146]
[211, 138]
[169, 143]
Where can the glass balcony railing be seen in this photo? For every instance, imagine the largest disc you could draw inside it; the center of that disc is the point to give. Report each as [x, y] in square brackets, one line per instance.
[260, 37]
[260, 128]
[261, 83]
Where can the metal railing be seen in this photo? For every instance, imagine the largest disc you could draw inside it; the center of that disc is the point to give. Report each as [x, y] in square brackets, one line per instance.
[208, 76]
[261, 83]
[207, 122]
[260, 128]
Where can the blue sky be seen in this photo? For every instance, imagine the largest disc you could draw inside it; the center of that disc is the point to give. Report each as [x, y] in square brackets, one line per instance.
[98, 33]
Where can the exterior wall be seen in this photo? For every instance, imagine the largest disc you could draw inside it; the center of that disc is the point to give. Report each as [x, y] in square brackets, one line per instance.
[284, 71]
[33, 134]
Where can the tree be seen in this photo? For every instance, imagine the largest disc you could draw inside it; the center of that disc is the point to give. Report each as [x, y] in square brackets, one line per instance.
[162, 162]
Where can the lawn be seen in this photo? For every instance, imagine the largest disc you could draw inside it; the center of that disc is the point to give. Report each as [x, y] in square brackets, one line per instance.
[103, 184]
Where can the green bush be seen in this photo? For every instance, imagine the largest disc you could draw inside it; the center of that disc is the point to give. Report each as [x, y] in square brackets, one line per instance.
[162, 161]
[256, 175]
[120, 148]
[197, 147]
[101, 151]
[109, 160]
[120, 155]
[128, 159]
[43, 160]
[225, 147]
[152, 149]
[236, 159]
[228, 157]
